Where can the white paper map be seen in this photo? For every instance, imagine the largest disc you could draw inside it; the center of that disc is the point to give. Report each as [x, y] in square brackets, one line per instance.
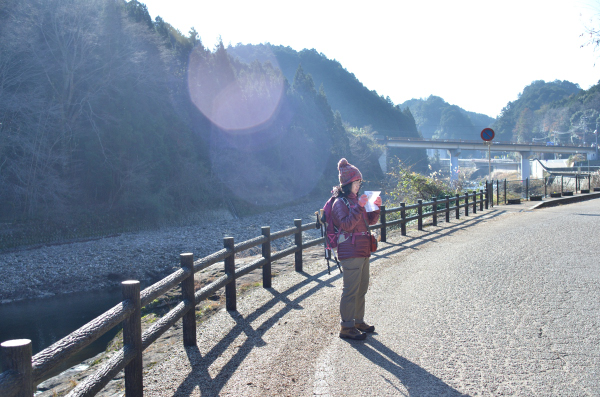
[370, 206]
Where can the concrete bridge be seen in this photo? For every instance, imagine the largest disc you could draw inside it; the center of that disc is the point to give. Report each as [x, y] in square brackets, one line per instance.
[455, 147]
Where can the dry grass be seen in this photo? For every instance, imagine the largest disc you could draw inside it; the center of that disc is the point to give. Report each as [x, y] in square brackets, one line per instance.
[508, 175]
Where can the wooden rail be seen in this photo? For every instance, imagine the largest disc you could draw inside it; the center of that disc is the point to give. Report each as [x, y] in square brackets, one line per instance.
[22, 372]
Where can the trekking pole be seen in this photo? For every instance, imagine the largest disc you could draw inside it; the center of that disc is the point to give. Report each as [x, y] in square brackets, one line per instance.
[327, 257]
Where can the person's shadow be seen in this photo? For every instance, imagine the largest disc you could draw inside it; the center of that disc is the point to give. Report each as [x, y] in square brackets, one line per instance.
[417, 380]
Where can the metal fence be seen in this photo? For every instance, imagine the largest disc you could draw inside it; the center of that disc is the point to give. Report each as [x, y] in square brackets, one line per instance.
[538, 188]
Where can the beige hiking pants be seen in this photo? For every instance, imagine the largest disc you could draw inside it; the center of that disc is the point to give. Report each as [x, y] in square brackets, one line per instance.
[356, 284]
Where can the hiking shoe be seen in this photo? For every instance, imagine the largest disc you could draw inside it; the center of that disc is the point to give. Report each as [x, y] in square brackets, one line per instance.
[364, 327]
[352, 333]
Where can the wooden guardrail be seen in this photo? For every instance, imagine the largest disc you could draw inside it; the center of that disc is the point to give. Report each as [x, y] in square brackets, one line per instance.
[22, 372]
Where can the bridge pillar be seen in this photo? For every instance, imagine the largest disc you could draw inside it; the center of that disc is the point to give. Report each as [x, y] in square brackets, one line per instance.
[454, 153]
[383, 160]
[525, 165]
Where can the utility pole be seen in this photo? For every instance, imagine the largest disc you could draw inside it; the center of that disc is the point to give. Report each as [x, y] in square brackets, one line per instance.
[596, 133]
[584, 122]
[489, 145]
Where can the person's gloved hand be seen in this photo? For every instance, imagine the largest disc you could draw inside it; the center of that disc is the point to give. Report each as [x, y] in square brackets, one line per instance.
[362, 201]
[378, 201]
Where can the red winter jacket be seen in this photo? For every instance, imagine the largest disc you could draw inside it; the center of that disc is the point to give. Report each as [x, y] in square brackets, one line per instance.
[351, 223]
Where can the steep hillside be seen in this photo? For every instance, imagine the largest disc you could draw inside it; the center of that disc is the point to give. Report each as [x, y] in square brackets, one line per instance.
[438, 119]
[130, 122]
[523, 119]
[357, 105]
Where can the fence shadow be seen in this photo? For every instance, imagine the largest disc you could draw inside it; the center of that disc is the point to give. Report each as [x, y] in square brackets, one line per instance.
[199, 375]
[443, 230]
[417, 380]
[374, 350]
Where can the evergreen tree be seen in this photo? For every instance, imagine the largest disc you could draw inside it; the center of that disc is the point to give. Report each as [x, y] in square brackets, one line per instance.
[533, 97]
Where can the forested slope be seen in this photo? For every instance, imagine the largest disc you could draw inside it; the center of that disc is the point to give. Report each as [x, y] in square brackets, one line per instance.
[357, 105]
[535, 114]
[110, 116]
[438, 119]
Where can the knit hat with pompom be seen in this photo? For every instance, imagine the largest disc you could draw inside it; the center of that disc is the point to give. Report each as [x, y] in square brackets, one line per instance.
[348, 172]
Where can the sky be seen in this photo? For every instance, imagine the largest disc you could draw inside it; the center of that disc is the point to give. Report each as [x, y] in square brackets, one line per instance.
[478, 55]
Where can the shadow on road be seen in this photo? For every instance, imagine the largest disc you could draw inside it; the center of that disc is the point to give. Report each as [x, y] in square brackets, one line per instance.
[200, 377]
[415, 378]
[446, 229]
[418, 381]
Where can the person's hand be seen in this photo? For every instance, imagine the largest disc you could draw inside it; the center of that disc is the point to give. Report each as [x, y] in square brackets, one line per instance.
[362, 201]
[378, 201]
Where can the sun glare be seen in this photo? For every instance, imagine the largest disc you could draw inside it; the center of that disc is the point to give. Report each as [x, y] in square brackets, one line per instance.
[235, 103]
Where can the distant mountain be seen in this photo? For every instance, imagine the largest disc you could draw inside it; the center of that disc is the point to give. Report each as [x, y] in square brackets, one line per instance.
[521, 119]
[435, 118]
[357, 105]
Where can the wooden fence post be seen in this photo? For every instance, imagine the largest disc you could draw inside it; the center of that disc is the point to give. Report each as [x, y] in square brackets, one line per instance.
[132, 337]
[457, 209]
[187, 294]
[403, 217]
[481, 200]
[266, 253]
[546, 186]
[504, 190]
[434, 216]
[298, 241]
[467, 204]
[447, 208]
[16, 357]
[475, 202]
[230, 299]
[383, 222]
[420, 215]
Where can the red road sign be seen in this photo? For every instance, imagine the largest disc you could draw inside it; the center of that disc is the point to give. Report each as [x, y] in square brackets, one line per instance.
[487, 134]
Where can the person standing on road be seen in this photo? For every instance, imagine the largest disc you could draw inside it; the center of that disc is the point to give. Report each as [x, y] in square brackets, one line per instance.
[354, 249]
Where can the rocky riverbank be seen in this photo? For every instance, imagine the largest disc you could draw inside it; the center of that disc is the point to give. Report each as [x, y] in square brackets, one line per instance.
[145, 256]
[160, 350]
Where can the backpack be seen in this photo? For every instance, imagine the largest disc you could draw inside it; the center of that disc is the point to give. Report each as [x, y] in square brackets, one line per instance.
[329, 231]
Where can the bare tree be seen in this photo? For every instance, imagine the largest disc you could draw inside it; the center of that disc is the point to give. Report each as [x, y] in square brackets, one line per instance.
[63, 63]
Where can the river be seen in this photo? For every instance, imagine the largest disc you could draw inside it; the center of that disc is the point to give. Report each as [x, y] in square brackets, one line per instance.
[48, 320]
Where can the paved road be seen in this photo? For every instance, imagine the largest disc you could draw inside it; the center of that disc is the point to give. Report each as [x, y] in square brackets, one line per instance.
[507, 303]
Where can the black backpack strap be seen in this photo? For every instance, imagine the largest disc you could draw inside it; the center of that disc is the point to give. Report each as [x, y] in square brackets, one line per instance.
[346, 202]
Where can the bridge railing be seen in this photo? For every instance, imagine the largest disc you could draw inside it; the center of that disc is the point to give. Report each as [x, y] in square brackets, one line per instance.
[496, 142]
[22, 372]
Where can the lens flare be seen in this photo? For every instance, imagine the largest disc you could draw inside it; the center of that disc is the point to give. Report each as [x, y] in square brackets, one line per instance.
[260, 151]
[234, 102]
[271, 174]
